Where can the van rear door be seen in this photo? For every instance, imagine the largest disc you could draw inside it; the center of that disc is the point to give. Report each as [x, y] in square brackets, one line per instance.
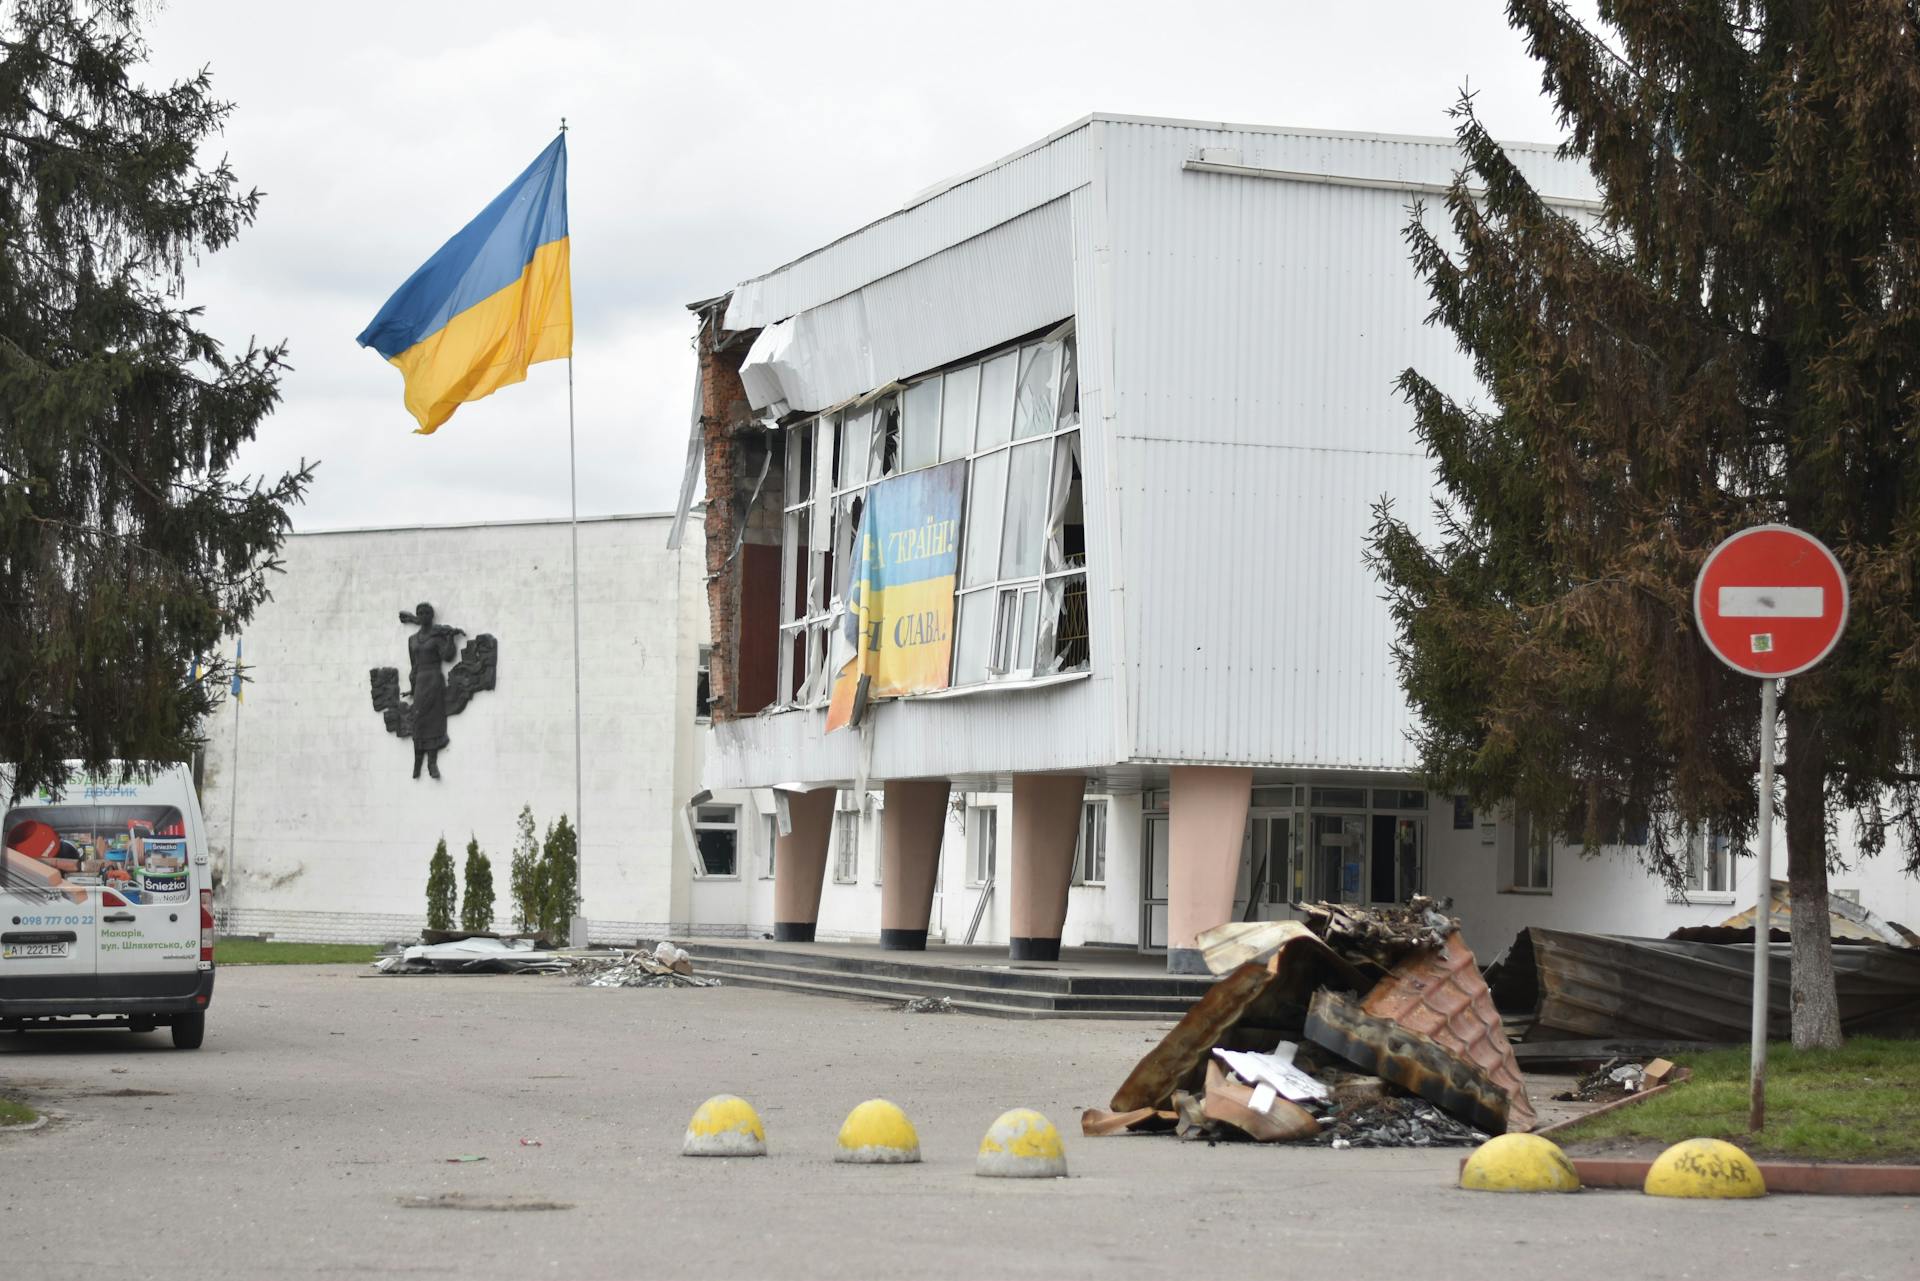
[49, 903]
[149, 934]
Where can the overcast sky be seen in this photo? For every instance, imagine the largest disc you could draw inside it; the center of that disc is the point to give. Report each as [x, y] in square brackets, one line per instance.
[708, 144]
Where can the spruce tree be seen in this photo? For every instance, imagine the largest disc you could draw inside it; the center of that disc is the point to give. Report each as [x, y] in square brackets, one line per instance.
[476, 896]
[1732, 339]
[442, 892]
[128, 546]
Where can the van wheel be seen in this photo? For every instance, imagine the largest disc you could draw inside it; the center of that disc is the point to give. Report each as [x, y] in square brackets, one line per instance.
[188, 1031]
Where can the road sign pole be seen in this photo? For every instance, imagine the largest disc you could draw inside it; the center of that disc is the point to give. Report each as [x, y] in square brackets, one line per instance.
[1763, 909]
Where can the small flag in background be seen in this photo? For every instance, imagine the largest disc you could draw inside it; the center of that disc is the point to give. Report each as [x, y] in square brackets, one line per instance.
[236, 671]
[495, 299]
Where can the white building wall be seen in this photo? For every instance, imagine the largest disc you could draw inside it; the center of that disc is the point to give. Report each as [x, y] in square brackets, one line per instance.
[1259, 326]
[328, 834]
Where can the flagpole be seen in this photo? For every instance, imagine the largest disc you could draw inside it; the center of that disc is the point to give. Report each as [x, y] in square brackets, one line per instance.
[580, 845]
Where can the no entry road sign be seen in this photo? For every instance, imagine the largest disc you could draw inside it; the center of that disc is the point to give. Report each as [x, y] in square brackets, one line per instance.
[1771, 601]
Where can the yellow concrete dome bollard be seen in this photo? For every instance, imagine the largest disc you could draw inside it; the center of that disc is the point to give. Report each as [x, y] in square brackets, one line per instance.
[1704, 1168]
[878, 1133]
[1022, 1144]
[1519, 1163]
[725, 1126]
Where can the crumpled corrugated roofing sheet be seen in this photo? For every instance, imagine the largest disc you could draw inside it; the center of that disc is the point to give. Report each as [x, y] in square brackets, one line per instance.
[1442, 995]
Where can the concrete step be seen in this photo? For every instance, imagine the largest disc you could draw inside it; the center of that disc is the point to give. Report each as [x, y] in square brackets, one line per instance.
[898, 988]
[916, 967]
[817, 986]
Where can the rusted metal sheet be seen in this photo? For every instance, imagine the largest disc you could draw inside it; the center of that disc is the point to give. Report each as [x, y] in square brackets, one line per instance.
[1603, 985]
[1096, 1122]
[1409, 1059]
[1272, 995]
[1441, 994]
[1846, 921]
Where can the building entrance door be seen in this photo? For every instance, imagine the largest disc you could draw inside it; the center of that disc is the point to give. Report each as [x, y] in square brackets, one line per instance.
[1153, 881]
[1337, 871]
[1264, 890]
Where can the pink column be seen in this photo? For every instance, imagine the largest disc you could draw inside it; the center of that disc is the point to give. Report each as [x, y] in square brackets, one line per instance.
[1046, 828]
[800, 864]
[1207, 817]
[911, 829]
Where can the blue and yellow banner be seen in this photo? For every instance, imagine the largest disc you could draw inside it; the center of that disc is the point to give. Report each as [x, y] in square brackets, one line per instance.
[495, 299]
[899, 622]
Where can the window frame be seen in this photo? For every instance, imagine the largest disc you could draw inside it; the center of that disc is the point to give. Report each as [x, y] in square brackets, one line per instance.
[846, 846]
[983, 832]
[1524, 837]
[703, 686]
[770, 825]
[1709, 847]
[733, 826]
[1090, 865]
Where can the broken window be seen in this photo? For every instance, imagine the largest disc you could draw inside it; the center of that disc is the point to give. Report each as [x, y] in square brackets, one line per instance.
[703, 686]
[1021, 608]
[717, 830]
[770, 827]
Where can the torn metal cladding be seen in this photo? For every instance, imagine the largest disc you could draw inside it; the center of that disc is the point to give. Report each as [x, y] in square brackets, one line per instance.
[1598, 985]
[1408, 1059]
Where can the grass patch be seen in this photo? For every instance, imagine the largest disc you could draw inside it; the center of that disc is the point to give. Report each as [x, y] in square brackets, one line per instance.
[1851, 1104]
[257, 952]
[12, 1113]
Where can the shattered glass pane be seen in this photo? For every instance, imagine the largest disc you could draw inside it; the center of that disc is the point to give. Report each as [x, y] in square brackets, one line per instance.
[855, 447]
[1037, 406]
[884, 459]
[1069, 384]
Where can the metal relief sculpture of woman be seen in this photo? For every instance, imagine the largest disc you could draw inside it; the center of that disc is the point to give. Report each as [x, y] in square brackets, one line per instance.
[432, 695]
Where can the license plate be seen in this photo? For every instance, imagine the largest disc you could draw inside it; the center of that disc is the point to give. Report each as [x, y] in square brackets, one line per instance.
[15, 951]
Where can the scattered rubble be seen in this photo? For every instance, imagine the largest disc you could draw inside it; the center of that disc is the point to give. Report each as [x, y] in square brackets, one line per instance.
[665, 965]
[1351, 1028]
[928, 1005]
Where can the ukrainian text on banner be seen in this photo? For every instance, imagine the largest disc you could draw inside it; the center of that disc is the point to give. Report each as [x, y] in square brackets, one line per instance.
[898, 630]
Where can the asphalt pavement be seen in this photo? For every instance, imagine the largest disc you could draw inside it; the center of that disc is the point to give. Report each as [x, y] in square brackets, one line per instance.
[316, 1132]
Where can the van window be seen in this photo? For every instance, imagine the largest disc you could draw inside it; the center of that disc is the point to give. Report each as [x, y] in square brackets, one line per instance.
[140, 851]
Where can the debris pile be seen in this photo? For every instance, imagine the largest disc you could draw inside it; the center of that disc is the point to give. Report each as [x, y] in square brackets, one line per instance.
[665, 966]
[1351, 1028]
[1618, 1078]
[928, 1005]
[476, 955]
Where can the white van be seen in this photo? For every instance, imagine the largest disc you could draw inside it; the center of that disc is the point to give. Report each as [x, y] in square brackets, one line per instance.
[106, 908]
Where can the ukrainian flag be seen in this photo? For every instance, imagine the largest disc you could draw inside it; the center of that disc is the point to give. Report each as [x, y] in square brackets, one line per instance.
[496, 298]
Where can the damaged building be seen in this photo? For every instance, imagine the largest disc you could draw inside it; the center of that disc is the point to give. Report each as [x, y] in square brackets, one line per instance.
[1034, 530]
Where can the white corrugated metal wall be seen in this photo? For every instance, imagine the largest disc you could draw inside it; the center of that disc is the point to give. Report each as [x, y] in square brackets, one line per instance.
[1260, 325]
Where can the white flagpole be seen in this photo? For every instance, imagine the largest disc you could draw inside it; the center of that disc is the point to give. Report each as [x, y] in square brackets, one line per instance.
[579, 925]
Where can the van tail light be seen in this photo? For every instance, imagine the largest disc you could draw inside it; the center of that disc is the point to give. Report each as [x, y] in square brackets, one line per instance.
[206, 927]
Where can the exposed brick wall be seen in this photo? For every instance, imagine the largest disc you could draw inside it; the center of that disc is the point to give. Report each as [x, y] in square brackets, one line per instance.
[723, 413]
